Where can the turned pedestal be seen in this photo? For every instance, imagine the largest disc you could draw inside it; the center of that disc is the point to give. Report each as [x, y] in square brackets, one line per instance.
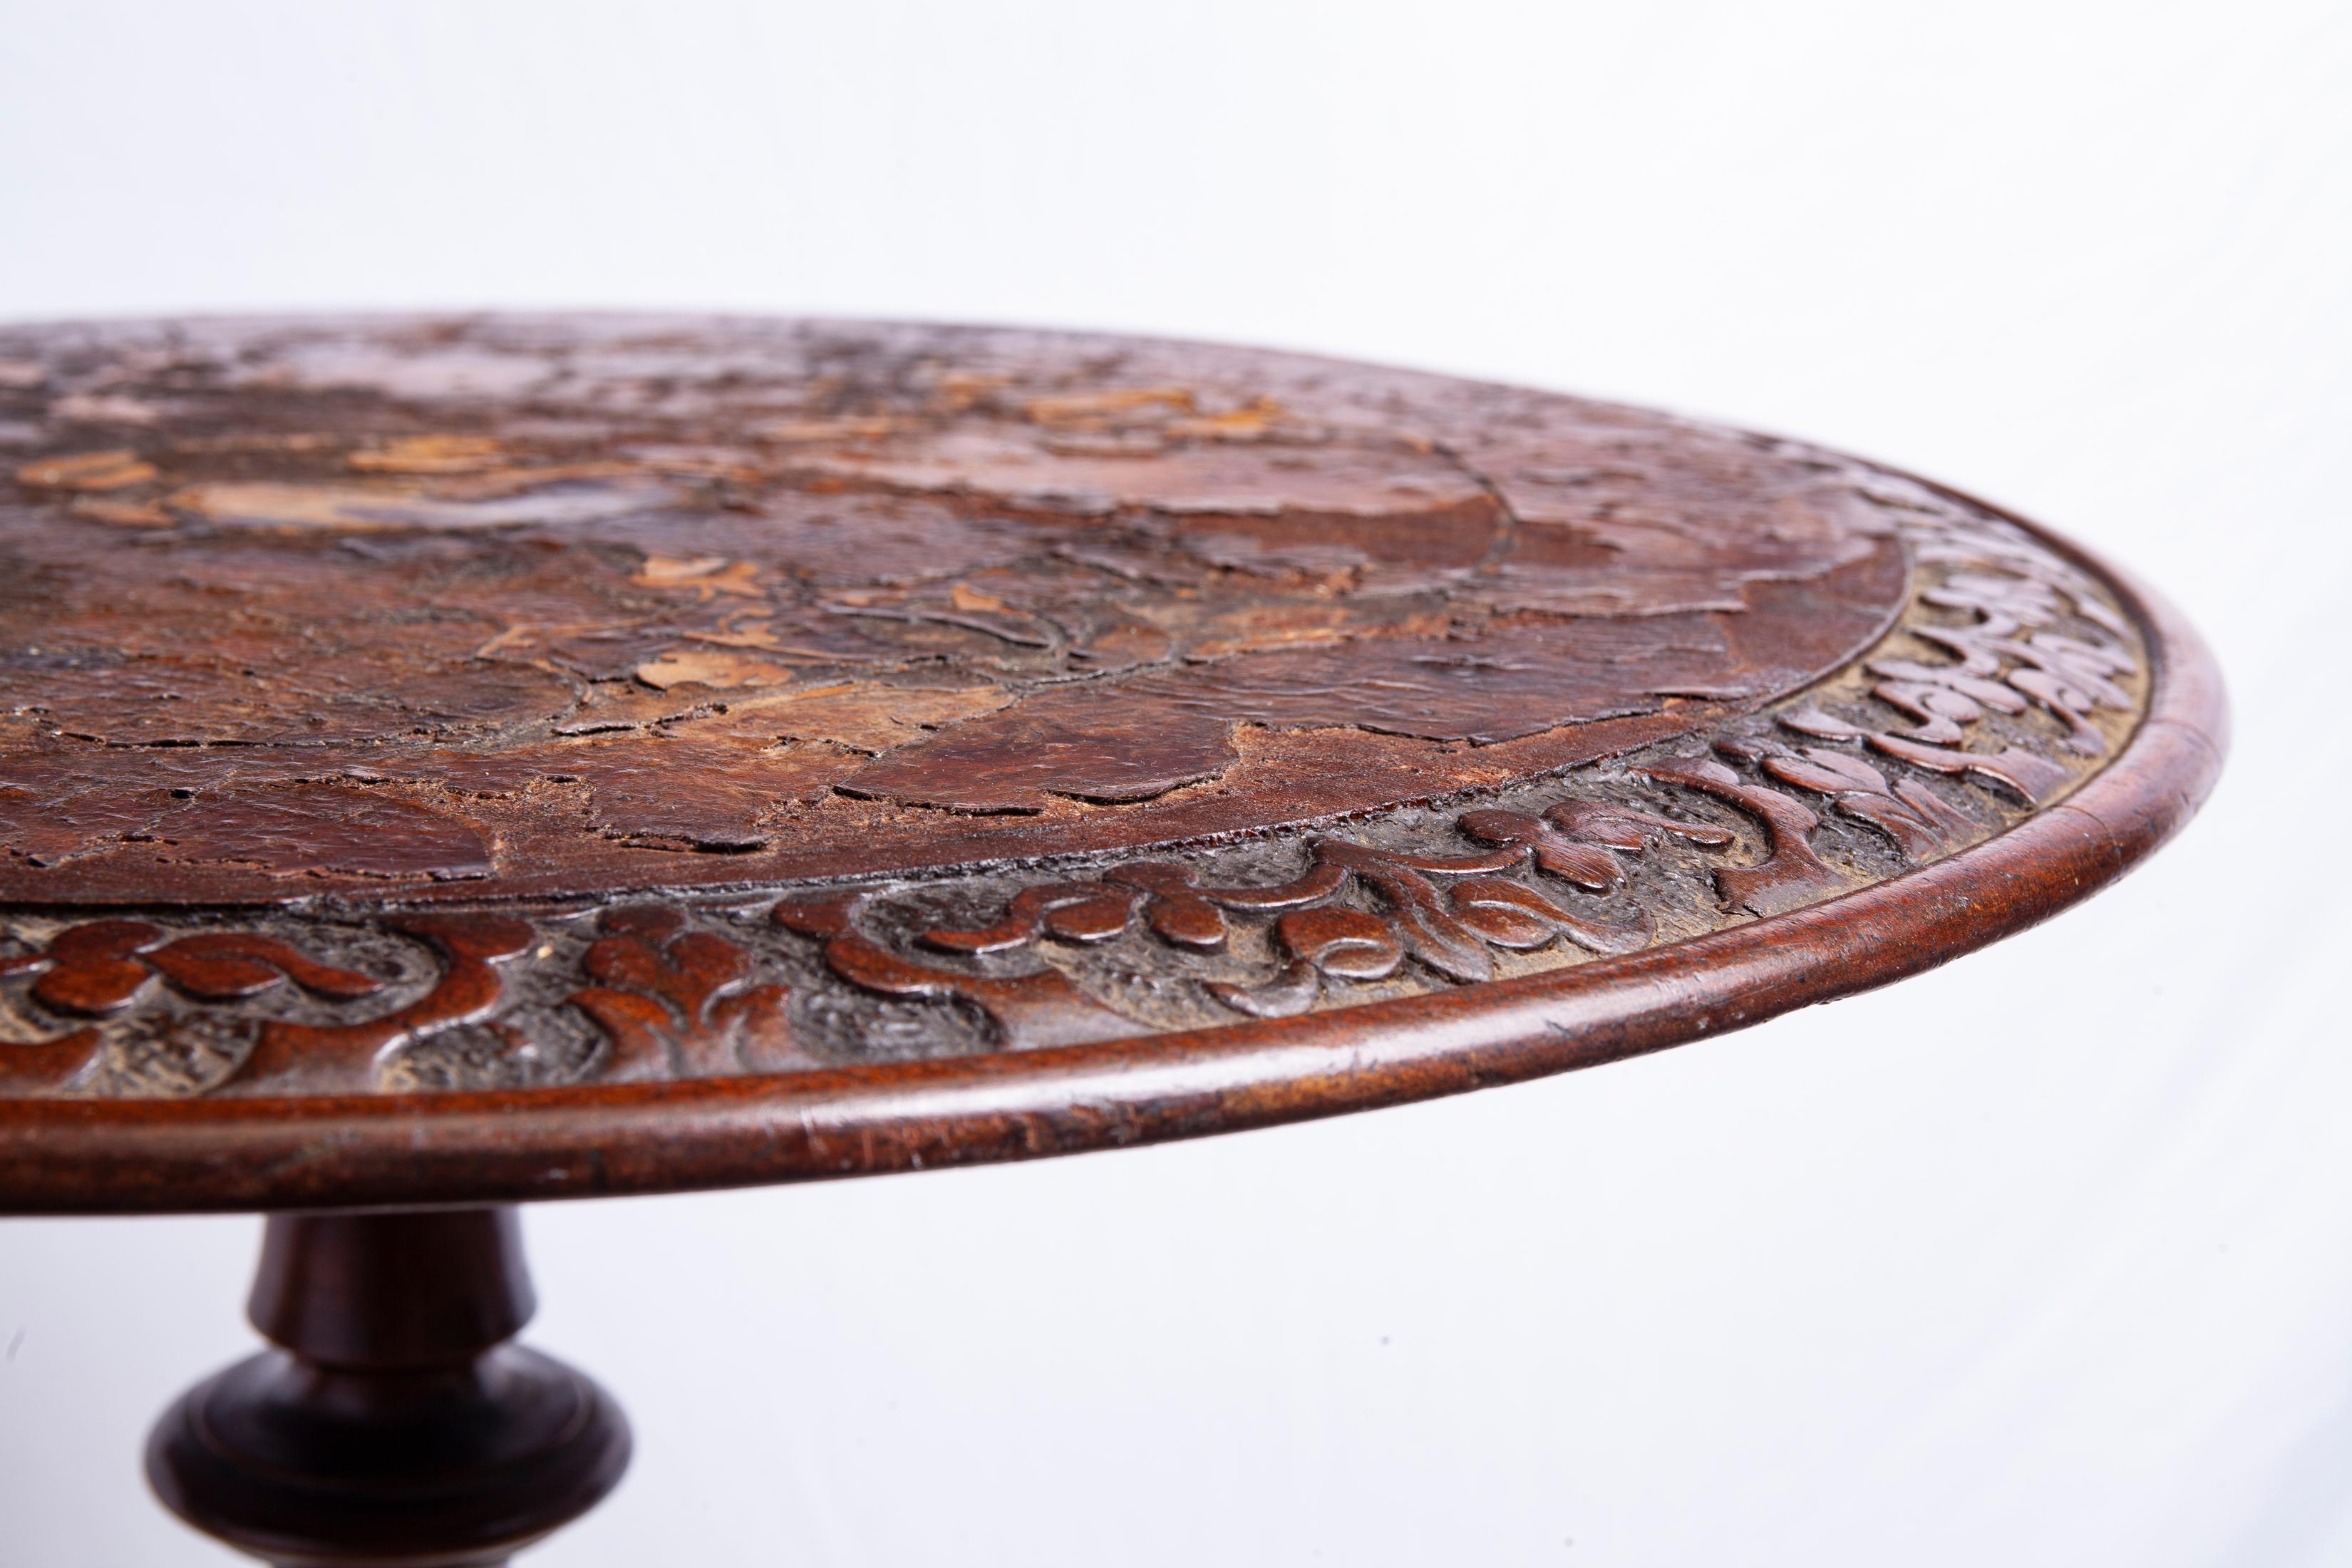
[448, 763]
[391, 1422]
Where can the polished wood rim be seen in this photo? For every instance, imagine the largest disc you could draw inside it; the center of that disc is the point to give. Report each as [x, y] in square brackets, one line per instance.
[71, 1155]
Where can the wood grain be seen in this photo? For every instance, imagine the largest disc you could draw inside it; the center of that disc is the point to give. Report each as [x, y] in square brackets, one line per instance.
[806, 750]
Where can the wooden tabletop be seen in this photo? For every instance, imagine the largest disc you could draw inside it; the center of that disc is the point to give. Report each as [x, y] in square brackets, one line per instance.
[504, 757]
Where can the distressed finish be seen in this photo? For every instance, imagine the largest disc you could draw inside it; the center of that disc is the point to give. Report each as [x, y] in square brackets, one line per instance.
[682, 609]
[451, 761]
[448, 761]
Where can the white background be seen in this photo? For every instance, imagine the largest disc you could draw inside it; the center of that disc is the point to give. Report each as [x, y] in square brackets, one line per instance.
[2046, 1258]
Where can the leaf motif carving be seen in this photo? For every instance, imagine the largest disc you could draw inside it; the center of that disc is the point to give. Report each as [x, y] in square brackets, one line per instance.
[678, 1003]
[1791, 874]
[1031, 1010]
[468, 989]
[2004, 675]
[1916, 818]
[2012, 658]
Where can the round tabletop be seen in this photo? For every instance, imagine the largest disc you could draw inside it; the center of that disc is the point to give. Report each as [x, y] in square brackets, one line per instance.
[491, 758]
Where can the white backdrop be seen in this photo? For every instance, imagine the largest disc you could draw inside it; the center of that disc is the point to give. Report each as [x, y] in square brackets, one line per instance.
[2046, 1258]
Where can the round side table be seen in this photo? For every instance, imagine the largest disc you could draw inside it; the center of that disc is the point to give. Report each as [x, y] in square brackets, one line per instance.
[450, 762]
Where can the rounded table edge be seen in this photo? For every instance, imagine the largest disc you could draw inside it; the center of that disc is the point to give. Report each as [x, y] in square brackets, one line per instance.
[451, 1149]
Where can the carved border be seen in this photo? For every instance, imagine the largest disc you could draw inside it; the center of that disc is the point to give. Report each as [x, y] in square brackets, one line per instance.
[2007, 680]
[227, 1153]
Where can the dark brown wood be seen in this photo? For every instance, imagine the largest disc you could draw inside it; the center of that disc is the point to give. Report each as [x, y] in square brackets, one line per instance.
[447, 761]
[758, 604]
[392, 1423]
[459, 761]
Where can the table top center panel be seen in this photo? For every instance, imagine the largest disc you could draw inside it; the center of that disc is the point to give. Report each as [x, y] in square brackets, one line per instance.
[515, 608]
[461, 760]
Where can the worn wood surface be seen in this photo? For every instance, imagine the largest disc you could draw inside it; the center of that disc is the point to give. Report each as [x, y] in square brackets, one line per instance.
[512, 757]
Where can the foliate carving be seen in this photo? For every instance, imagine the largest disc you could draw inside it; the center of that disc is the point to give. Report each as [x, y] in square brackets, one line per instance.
[1574, 841]
[2010, 672]
[678, 1003]
[1444, 912]
[37, 1067]
[2010, 655]
[103, 967]
[1919, 821]
[1074, 911]
[1572, 699]
[1791, 874]
[468, 990]
[1036, 1009]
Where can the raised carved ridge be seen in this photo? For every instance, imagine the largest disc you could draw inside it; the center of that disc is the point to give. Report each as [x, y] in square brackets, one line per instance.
[2007, 681]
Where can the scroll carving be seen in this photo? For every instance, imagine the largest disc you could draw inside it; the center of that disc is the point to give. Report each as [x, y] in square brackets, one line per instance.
[1443, 912]
[1035, 1009]
[101, 968]
[678, 1003]
[1921, 823]
[2003, 686]
[1791, 874]
[2009, 658]
[39, 1066]
[468, 989]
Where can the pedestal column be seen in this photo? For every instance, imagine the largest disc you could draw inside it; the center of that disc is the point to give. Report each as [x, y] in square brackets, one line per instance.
[393, 1422]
